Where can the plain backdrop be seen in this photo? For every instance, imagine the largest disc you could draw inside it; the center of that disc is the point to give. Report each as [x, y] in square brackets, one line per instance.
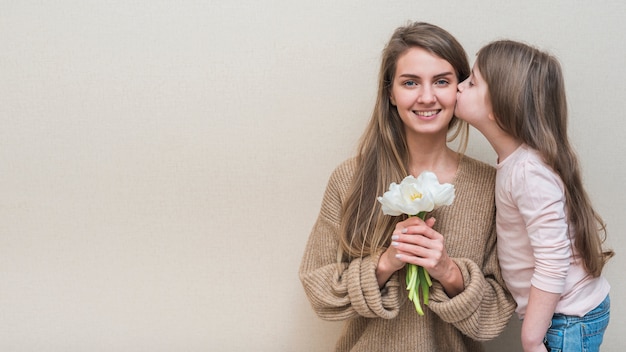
[162, 162]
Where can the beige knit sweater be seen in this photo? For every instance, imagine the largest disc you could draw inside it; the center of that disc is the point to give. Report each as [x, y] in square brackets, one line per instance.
[384, 320]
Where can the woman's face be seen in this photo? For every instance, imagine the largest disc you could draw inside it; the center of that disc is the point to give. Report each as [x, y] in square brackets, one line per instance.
[424, 92]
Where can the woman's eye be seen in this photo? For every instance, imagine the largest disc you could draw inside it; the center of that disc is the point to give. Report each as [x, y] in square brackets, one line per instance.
[410, 83]
[442, 82]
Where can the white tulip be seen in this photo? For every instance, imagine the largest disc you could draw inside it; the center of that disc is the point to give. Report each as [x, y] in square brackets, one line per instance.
[415, 195]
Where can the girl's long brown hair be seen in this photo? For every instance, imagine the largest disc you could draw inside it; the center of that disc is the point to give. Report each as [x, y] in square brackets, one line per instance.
[383, 154]
[529, 103]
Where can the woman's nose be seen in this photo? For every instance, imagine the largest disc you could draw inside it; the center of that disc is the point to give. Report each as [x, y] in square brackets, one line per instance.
[427, 96]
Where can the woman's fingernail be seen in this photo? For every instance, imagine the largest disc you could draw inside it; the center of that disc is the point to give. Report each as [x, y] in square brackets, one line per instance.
[394, 237]
[395, 244]
[405, 230]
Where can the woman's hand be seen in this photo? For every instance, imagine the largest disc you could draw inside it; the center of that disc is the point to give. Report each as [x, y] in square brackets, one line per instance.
[414, 241]
[391, 260]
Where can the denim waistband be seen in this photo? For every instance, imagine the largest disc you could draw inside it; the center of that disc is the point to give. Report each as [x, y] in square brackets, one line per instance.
[598, 311]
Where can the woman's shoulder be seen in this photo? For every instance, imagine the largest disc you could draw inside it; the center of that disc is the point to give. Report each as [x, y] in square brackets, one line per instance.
[345, 170]
[476, 185]
[475, 169]
[337, 188]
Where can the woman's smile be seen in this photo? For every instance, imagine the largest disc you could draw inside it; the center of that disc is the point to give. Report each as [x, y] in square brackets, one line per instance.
[427, 115]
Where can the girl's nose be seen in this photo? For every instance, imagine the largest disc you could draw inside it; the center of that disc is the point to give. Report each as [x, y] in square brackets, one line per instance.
[460, 86]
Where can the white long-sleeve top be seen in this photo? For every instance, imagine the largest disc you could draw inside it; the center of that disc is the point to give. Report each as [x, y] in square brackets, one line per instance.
[535, 239]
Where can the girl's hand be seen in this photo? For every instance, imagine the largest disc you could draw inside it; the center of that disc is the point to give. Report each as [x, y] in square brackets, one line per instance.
[415, 242]
[538, 348]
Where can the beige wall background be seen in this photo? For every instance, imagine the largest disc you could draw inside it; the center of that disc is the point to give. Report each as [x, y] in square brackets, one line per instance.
[162, 162]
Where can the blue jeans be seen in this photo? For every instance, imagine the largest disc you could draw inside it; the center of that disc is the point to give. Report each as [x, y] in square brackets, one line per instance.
[571, 334]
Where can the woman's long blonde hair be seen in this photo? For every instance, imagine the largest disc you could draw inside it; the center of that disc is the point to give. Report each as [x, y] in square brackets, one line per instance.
[383, 154]
[530, 104]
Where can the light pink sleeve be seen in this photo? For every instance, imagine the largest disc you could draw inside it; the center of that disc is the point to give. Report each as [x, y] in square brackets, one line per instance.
[538, 192]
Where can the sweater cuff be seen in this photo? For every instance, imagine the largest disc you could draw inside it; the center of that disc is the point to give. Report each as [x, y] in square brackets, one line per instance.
[366, 297]
[463, 305]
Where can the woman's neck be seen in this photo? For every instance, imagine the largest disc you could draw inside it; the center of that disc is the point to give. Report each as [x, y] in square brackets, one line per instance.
[435, 156]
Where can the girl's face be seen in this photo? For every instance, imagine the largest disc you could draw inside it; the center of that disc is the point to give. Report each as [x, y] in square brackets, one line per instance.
[424, 92]
[473, 103]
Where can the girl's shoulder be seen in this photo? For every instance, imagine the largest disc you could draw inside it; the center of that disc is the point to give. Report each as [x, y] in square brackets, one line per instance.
[529, 161]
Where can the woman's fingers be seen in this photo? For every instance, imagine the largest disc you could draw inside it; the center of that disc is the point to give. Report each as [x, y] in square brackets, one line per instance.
[412, 222]
[418, 243]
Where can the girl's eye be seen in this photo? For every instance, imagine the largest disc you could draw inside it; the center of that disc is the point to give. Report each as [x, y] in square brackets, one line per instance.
[471, 84]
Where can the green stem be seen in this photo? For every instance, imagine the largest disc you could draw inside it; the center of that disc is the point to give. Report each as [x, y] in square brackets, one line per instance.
[418, 278]
[414, 283]
[423, 283]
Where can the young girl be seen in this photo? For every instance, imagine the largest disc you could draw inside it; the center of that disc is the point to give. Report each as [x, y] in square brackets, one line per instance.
[549, 236]
[353, 267]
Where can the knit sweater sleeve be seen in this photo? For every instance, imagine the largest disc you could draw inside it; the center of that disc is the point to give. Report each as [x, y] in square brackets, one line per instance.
[482, 310]
[338, 290]
[485, 307]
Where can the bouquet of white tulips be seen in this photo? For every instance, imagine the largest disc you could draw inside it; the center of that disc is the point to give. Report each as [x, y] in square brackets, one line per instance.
[416, 197]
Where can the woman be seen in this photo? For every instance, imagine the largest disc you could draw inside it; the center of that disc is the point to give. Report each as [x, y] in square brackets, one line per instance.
[353, 265]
